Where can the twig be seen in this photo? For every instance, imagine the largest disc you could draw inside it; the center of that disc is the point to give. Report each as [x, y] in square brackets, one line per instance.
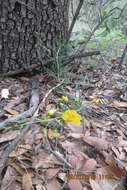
[58, 155]
[34, 101]
[41, 105]
[74, 19]
[91, 34]
[93, 31]
[80, 54]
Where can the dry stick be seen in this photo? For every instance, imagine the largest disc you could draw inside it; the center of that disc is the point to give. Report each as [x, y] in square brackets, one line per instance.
[122, 58]
[74, 19]
[34, 101]
[41, 105]
[58, 155]
[91, 34]
[80, 54]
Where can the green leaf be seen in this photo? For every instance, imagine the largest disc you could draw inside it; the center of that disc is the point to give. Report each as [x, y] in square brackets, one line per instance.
[104, 33]
[111, 24]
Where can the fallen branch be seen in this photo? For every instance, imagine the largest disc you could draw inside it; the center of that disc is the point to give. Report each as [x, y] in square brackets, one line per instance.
[81, 54]
[34, 101]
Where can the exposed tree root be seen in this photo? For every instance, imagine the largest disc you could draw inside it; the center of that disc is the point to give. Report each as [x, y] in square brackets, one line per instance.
[34, 101]
[19, 71]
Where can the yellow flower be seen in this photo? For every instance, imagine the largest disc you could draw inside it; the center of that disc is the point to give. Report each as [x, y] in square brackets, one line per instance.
[71, 116]
[51, 112]
[96, 100]
[46, 118]
[64, 98]
[55, 134]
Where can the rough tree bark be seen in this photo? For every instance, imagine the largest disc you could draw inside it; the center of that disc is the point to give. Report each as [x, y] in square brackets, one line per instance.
[30, 30]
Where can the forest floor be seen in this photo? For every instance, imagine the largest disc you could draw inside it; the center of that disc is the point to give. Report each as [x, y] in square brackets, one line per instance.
[52, 150]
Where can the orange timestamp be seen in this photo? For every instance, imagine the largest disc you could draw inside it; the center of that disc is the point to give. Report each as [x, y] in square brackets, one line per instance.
[89, 176]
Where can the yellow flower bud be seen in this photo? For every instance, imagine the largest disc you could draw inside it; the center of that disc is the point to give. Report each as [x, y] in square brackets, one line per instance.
[51, 112]
[64, 98]
[96, 100]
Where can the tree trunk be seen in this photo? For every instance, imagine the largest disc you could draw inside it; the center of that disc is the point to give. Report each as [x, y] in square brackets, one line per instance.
[31, 31]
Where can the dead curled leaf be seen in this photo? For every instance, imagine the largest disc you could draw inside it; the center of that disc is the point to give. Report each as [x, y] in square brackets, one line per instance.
[11, 111]
[98, 143]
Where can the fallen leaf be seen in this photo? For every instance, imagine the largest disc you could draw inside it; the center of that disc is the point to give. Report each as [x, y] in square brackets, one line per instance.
[95, 185]
[119, 105]
[97, 142]
[50, 173]
[70, 146]
[74, 161]
[74, 128]
[45, 160]
[89, 165]
[8, 136]
[53, 184]
[26, 181]
[11, 111]
[8, 177]
[75, 184]
[20, 150]
[18, 168]
[75, 135]
[112, 168]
